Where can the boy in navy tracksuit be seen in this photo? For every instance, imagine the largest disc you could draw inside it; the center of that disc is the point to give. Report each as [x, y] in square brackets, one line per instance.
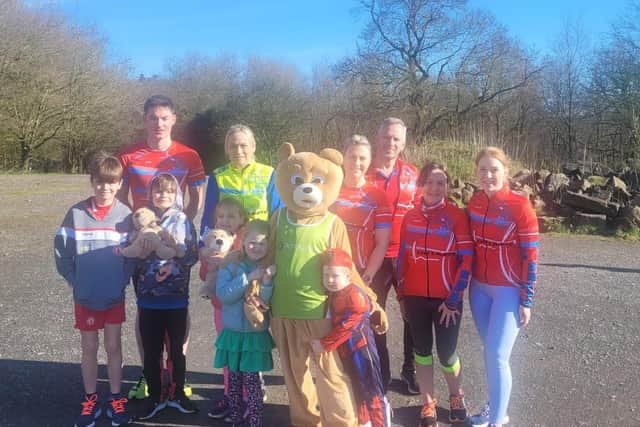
[88, 254]
[162, 291]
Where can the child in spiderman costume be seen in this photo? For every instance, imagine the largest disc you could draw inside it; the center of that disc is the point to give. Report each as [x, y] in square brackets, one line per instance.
[352, 336]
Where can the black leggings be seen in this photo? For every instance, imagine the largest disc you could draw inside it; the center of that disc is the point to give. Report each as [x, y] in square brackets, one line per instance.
[381, 284]
[154, 325]
[424, 317]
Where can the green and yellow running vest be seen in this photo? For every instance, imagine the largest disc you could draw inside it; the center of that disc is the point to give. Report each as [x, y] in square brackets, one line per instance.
[248, 186]
[297, 289]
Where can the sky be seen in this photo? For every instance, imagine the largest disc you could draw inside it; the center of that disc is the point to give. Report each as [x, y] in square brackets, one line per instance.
[304, 33]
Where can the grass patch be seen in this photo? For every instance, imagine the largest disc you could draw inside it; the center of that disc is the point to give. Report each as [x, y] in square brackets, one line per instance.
[632, 234]
[458, 156]
[21, 185]
[48, 190]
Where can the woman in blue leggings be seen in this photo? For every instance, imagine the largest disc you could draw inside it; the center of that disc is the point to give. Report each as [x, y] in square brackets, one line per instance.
[504, 228]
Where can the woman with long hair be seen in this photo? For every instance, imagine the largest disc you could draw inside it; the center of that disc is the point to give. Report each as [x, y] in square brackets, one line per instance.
[504, 228]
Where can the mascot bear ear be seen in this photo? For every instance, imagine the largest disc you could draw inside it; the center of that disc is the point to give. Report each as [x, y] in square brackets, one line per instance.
[285, 151]
[332, 155]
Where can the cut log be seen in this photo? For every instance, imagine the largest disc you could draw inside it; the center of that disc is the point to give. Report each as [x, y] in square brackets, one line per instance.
[582, 219]
[588, 204]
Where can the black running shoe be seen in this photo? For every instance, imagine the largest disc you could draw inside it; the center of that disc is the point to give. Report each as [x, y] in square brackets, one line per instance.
[408, 376]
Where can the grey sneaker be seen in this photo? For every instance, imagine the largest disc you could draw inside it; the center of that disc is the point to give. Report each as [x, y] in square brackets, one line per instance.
[481, 419]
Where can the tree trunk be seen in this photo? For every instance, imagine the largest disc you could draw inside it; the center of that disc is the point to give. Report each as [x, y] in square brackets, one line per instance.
[25, 156]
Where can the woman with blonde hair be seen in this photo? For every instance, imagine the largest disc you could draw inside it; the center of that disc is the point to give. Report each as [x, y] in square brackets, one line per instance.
[363, 208]
[249, 182]
[504, 229]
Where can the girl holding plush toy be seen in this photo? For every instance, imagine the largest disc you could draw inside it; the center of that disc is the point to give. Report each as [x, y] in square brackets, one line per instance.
[162, 291]
[229, 219]
[244, 346]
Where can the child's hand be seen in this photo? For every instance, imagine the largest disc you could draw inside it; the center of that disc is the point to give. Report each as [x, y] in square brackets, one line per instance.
[214, 262]
[269, 272]
[379, 321]
[317, 347]
[145, 245]
[256, 274]
[167, 238]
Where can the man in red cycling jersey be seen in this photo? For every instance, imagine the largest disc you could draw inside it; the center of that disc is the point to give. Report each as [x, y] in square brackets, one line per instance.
[397, 179]
[141, 161]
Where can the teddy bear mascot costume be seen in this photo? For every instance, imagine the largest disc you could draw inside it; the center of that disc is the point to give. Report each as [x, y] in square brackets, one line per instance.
[308, 184]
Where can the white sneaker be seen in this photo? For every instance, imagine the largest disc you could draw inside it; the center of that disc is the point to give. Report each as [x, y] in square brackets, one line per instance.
[482, 418]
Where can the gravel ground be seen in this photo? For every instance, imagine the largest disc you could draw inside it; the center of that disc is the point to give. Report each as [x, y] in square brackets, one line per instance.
[576, 363]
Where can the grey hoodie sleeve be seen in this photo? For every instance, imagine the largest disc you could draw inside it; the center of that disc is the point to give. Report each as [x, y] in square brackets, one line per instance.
[64, 247]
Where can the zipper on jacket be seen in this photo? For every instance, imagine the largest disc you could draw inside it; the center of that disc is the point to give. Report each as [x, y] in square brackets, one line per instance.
[484, 221]
[395, 204]
[426, 254]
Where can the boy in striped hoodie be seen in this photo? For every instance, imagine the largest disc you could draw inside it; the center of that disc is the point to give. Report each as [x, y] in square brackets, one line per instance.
[88, 254]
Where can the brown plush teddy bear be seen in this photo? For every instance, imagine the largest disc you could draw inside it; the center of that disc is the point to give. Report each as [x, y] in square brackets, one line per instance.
[308, 184]
[254, 307]
[216, 245]
[147, 237]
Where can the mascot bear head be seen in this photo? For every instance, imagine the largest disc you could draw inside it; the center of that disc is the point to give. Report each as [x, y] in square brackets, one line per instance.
[308, 183]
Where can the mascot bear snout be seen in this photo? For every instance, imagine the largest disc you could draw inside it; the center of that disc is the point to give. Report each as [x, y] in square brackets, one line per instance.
[307, 196]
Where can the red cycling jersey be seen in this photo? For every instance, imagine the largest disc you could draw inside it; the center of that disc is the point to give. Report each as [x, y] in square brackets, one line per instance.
[363, 210]
[436, 253]
[504, 228]
[141, 163]
[402, 194]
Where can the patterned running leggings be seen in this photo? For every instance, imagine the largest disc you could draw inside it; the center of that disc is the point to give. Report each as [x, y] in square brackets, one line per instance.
[251, 381]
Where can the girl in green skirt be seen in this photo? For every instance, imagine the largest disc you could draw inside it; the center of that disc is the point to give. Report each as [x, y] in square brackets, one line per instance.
[243, 347]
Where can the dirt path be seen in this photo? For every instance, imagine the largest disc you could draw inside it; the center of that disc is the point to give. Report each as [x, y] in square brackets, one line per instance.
[576, 364]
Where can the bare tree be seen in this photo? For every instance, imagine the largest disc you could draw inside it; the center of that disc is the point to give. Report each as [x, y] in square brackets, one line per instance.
[614, 94]
[435, 59]
[565, 78]
[198, 82]
[33, 96]
[58, 99]
[275, 103]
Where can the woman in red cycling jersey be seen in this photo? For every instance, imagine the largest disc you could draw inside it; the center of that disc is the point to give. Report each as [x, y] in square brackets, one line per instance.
[434, 267]
[364, 209]
[504, 228]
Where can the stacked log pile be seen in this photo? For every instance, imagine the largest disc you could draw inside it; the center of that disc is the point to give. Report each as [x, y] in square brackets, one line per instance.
[577, 196]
